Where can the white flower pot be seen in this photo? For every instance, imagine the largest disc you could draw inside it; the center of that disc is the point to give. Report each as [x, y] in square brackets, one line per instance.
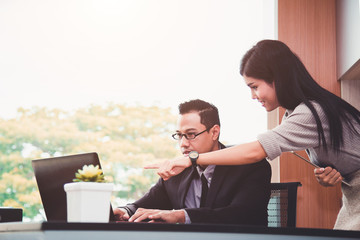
[88, 201]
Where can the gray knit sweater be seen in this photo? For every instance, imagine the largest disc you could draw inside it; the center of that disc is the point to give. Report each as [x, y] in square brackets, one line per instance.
[298, 131]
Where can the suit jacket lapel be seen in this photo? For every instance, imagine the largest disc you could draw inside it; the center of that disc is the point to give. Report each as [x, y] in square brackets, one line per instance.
[218, 177]
[184, 185]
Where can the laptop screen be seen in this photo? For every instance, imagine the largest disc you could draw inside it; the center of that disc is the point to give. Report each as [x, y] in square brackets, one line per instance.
[52, 173]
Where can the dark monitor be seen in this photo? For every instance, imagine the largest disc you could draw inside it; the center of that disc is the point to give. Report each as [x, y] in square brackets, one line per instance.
[8, 214]
[52, 173]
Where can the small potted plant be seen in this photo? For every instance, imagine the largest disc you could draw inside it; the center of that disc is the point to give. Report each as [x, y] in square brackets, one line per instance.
[88, 196]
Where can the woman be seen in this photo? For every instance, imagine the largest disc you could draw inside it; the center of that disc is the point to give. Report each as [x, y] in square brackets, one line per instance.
[315, 120]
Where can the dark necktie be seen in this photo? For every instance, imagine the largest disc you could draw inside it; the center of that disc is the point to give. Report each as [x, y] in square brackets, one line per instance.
[204, 190]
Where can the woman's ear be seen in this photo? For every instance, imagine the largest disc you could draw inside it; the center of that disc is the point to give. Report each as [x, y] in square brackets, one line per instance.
[215, 131]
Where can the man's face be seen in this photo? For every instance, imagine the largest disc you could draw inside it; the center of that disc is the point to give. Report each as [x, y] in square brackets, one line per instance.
[204, 142]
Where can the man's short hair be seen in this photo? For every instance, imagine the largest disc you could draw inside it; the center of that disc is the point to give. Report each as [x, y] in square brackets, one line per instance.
[209, 114]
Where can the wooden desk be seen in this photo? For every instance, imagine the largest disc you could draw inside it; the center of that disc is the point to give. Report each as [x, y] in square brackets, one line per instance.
[150, 231]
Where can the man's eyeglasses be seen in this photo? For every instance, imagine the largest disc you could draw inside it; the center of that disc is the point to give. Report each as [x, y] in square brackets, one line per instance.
[188, 136]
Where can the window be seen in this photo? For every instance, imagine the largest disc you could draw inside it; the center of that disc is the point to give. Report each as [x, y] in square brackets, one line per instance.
[85, 64]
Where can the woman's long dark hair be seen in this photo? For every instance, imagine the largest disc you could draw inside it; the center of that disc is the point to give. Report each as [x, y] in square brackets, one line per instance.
[273, 61]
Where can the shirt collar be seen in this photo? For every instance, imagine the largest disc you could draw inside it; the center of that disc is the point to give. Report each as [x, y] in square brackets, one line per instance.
[208, 172]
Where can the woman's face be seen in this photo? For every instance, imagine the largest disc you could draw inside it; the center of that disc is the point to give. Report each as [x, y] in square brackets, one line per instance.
[263, 92]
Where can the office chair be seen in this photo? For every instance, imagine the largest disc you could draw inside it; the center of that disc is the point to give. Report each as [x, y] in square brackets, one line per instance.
[282, 204]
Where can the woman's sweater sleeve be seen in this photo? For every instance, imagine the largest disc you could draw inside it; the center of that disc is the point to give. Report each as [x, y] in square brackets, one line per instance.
[297, 131]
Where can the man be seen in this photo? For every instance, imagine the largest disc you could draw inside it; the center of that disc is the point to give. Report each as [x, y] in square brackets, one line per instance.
[231, 194]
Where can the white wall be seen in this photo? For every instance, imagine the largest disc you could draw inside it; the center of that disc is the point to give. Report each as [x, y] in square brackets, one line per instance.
[348, 48]
[348, 34]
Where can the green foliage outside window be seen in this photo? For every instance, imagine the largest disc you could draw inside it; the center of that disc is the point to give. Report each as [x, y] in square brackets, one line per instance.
[125, 137]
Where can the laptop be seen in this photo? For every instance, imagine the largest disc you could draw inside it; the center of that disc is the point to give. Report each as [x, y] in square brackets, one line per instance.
[52, 173]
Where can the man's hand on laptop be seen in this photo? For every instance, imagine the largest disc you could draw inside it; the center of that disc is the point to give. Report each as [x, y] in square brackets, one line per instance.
[121, 214]
[156, 215]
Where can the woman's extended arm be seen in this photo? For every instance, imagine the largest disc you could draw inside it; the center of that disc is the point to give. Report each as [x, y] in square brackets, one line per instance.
[237, 155]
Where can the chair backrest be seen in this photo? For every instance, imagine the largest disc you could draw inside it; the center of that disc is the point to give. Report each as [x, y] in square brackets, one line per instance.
[282, 204]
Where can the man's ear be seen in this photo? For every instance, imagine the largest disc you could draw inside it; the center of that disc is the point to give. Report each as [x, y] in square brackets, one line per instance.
[215, 131]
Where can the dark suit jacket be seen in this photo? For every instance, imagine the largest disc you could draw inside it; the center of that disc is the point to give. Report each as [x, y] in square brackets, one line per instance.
[237, 195]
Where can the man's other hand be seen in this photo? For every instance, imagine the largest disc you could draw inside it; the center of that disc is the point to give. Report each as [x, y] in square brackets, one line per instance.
[121, 214]
[156, 215]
